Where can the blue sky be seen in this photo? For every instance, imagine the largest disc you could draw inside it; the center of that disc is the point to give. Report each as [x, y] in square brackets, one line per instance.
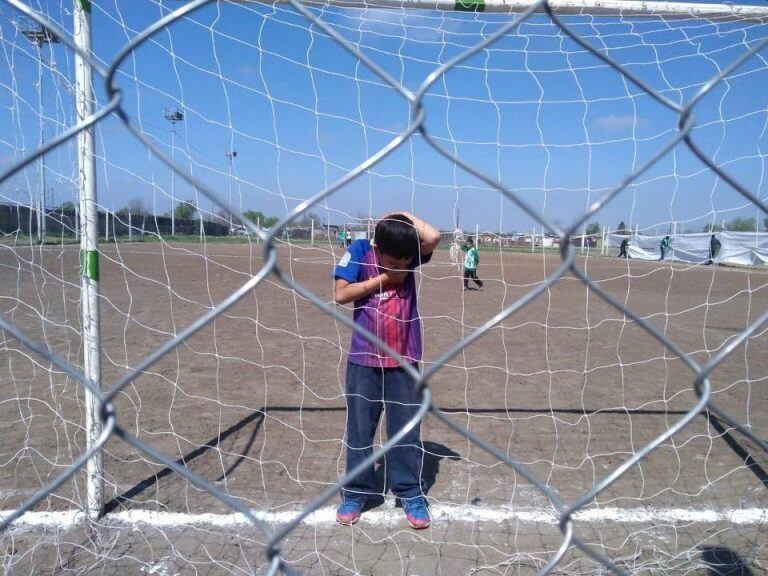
[535, 111]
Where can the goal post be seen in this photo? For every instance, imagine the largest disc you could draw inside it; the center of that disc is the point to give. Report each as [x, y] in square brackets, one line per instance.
[89, 253]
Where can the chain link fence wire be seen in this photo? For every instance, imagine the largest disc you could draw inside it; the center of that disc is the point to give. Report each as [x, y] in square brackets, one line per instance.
[699, 372]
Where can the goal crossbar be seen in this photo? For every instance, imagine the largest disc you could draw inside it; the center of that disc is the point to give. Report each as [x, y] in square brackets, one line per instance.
[580, 7]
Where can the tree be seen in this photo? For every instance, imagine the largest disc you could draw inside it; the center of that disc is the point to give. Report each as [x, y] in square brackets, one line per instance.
[622, 229]
[594, 228]
[741, 225]
[258, 217]
[67, 206]
[765, 223]
[712, 228]
[185, 210]
[135, 207]
[309, 217]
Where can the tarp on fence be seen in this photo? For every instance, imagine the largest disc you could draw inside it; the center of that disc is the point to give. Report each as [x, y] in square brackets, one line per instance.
[742, 248]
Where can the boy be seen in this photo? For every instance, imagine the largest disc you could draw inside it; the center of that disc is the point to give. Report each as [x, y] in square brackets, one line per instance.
[471, 260]
[378, 278]
[664, 246]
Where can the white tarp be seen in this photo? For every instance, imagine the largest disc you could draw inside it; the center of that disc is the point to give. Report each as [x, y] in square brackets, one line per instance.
[743, 248]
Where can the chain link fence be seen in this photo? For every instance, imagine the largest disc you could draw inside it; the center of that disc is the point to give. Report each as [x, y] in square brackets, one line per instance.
[566, 510]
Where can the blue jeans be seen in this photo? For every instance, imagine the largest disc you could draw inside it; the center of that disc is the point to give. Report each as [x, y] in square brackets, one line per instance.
[369, 390]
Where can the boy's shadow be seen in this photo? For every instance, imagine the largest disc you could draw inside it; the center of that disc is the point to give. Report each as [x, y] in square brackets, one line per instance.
[723, 561]
[433, 453]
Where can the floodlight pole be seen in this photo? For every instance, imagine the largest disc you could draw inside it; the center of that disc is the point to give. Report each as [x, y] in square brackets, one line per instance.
[39, 36]
[89, 255]
[173, 115]
[231, 155]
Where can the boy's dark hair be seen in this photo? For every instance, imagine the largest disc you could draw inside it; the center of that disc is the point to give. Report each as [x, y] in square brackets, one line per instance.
[470, 242]
[396, 236]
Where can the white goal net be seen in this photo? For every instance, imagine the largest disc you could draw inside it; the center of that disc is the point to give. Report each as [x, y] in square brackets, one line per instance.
[585, 413]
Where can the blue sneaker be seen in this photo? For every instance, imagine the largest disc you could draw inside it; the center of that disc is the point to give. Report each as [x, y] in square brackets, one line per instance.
[417, 513]
[349, 511]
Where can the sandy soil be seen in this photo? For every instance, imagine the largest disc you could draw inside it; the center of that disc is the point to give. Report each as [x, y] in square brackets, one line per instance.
[254, 402]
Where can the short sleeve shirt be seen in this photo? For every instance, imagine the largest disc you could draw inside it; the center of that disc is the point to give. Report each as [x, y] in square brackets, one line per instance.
[391, 313]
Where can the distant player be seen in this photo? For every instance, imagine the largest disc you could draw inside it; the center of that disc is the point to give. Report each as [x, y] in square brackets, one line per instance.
[664, 246]
[378, 277]
[623, 248]
[471, 260]
[714, 249]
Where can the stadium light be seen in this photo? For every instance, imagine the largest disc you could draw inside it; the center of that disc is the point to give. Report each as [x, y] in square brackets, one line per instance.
[231, 154]
[173, 115]
[39, 36]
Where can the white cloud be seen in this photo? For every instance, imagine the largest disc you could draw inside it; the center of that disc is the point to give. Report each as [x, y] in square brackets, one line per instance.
[615, 123]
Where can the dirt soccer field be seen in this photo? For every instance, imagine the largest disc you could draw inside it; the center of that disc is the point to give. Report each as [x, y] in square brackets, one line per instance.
[254, 403]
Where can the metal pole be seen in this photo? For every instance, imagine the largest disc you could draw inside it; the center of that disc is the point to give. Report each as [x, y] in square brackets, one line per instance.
[39, 35]
[41, 230]
[312, 232]
[477, 235]
[173, 115]
[173, 179]
[583, 237]
[130, 229]
[231, 155]
[89, 255]
[106, 225]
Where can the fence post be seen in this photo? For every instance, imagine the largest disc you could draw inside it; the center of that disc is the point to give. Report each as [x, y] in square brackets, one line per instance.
[201, 227]
[312, 232]
[89, 256]
[130, 229]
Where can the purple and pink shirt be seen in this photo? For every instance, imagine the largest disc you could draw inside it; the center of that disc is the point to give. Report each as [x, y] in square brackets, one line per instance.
[391, 313]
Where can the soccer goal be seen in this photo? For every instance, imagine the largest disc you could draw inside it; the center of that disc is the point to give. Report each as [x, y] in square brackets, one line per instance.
[175, 179]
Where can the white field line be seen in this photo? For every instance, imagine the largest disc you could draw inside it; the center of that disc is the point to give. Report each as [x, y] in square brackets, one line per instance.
[441, 513]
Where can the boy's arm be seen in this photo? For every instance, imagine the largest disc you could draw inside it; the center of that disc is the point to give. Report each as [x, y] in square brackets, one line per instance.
[428, 234]
[345, 292]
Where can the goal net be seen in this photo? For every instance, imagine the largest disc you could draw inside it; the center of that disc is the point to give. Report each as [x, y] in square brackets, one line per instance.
[588, 414]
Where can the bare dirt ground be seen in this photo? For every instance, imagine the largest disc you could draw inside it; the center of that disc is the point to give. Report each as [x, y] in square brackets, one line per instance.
[568, 386]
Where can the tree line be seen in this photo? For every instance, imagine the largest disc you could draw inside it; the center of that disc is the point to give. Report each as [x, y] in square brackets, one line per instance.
[738, 224]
